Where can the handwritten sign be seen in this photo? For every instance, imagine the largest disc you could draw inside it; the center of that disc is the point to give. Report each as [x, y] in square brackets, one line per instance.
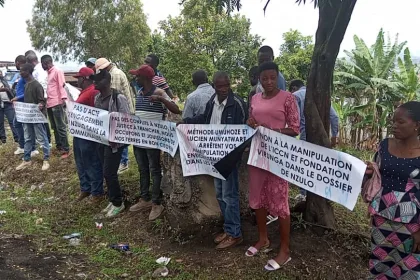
[154, 134]
[328, 173]
[88, 122]
[201, 146]
[29, 113]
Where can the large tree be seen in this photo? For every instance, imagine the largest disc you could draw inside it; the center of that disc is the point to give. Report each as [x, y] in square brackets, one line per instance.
[334, 17]
[76, 29]
[201, 38]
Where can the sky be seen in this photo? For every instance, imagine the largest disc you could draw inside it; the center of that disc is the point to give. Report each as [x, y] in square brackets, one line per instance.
[281, 16]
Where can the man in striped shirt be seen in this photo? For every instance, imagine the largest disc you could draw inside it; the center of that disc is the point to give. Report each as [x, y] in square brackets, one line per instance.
[158, 80]
[151, 103]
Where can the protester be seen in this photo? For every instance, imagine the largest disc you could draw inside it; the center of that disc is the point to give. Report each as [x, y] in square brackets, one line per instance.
[253, 80]
[150, 104]
[34, 94]
[111, 100]
[90, 63]
[120, 83]
[266, 54]
[277, 110]
[225, 108]
[395, 208]
[42, 77]
[56, 96]
[6, 110]
[195, 104]
[159, 80]
[86, 156]
[297, 87]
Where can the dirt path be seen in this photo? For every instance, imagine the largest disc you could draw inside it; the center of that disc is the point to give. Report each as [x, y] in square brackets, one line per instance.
[20, 261]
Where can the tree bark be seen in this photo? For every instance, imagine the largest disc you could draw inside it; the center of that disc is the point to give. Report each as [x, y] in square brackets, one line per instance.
[334, 17]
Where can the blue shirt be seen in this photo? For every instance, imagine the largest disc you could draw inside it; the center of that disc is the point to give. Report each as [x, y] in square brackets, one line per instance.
[281, 84]
[300, 98]
[20, 89]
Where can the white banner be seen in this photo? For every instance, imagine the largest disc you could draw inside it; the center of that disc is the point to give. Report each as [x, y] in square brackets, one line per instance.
[88, 122]
[201, 146]
[28, 113]
[328, 173]
[154, 134]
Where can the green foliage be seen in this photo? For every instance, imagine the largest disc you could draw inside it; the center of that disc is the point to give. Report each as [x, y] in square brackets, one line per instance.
[407, 76]
[78, 29]
[201, 38]
[295, 55]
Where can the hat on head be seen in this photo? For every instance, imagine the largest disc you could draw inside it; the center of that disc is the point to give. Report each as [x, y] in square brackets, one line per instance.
[102, 63]
[91, 60]
[144, 70]
[84, 72]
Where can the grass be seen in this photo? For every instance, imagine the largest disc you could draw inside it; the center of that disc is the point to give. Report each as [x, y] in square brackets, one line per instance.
[42, 207]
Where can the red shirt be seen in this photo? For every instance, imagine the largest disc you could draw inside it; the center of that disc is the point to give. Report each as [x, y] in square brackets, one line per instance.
[87, 96]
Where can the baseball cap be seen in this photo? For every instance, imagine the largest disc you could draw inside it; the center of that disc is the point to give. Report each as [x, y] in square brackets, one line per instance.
[101, 63]
[91, 60]
[84, 72]
[144, 70]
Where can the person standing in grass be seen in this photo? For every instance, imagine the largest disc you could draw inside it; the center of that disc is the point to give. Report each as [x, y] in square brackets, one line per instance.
[268, 194]
[86, 156]
[151, 104]
[34, 94]
[111, 100]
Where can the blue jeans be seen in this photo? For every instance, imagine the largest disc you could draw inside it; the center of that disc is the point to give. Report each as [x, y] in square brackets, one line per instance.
[124, 156]
[36, 131]
[21, 134]
[89, 166]
[227, 194]
[8, 112]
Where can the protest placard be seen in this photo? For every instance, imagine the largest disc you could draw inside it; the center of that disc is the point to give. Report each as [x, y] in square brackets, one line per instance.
[28, 113]
[88, 122]
[328, 173]
[145, 133]
[201, 146]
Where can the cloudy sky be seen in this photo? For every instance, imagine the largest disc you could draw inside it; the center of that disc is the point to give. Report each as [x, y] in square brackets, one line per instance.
[282, 15]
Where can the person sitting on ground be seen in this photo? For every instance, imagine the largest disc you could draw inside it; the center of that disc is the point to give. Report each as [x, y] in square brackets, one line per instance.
[86, 154]
[151, 103]
[395, 209]
[196, 101]
[112, 101]
[225, 108]
[277, 110]
[297, 87]
[34, 94]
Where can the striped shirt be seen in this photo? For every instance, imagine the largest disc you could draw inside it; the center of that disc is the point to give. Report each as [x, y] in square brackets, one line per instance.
[152, 110]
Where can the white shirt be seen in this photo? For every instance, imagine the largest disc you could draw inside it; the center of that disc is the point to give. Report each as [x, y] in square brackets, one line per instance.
[41, 76]
[197, 100]
[216, 116]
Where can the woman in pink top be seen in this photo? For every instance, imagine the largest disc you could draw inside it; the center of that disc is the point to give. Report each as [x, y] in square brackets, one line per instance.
[277, 110]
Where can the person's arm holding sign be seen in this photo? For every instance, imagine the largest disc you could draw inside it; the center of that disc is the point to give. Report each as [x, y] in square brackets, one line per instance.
[162, 97]
[40, 97]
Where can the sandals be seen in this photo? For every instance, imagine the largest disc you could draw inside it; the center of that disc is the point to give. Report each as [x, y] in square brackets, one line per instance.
[254, 251]
[272, 265]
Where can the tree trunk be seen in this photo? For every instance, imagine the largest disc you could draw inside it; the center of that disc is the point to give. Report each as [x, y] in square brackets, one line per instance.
[334, 17]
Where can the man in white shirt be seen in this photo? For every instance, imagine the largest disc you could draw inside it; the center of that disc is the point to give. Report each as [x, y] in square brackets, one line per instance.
[197, 100]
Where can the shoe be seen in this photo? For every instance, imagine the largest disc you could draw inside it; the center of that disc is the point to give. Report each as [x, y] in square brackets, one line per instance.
[65, 155]
[83, 195]
[156, 212]
[220, 237]
[45, 165]
[271, 219]
[141, 205]
[34, 153]
[97, 199]
[229, 242]
[19, 151]
[114, 211]
[23, 165]
[106, 210]
[123, 167]
[300, 198]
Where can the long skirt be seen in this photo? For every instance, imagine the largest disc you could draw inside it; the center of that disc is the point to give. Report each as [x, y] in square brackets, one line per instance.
[391, 256]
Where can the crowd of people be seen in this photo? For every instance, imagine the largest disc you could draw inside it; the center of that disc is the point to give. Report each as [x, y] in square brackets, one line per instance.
[395, 171]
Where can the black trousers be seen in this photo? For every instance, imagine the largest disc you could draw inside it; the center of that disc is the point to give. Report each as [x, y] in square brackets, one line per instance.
[110, 163]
